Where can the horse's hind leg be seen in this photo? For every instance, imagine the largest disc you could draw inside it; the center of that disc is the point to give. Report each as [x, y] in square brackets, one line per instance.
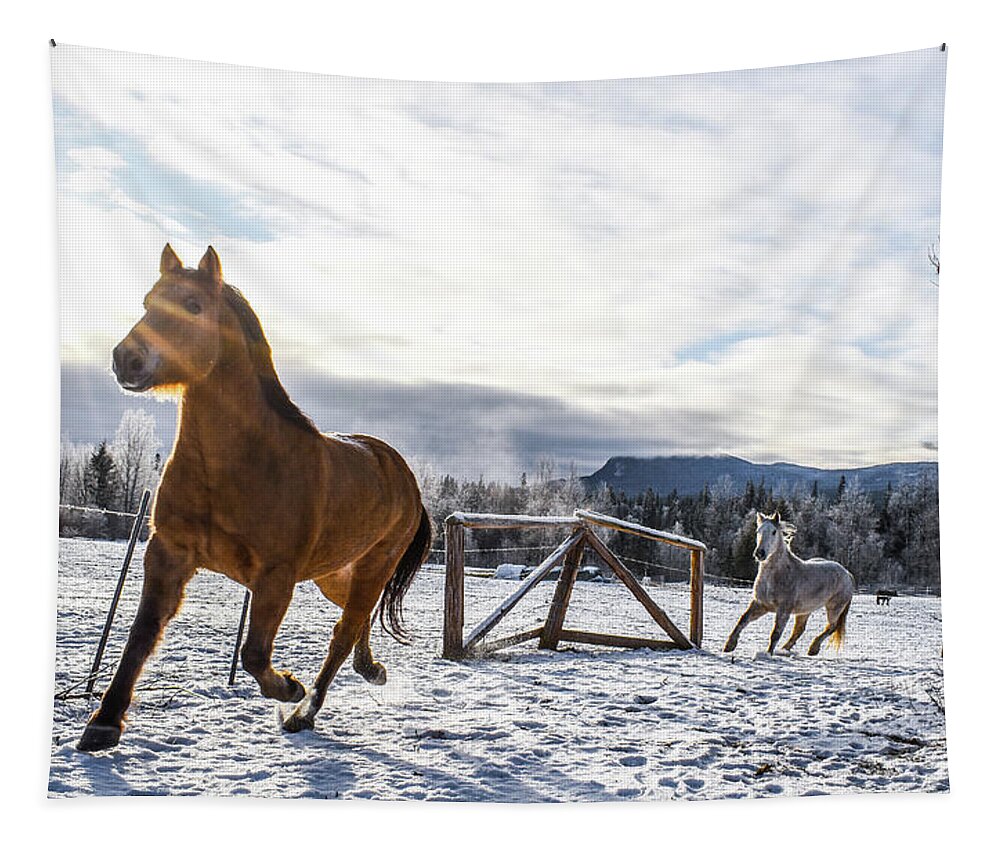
[166, 574]
[797, 629]
[336, 587]
[271, 596]
[833, 614]
[367, 581]
[345, 635]
[364, 662]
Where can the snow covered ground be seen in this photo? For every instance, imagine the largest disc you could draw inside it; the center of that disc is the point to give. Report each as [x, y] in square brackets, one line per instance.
[581, 724]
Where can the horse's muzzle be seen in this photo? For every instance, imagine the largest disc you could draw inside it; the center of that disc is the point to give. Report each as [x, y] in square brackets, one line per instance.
[132, 366]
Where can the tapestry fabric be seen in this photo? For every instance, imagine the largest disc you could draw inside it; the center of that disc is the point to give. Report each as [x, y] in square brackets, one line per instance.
[569, 441]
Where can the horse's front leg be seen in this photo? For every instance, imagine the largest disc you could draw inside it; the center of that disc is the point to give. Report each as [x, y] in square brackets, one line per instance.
[166, 572]
[272, 593]
[797, 630]
[754, 611]
[780, 621]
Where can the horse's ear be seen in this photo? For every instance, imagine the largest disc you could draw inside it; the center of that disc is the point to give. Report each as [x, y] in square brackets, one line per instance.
[169, 262]
[760, 518]
[210, 266]
[777, 518]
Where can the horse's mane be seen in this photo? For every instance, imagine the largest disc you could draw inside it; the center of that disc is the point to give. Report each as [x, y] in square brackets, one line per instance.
[263, 364]
[786, 529]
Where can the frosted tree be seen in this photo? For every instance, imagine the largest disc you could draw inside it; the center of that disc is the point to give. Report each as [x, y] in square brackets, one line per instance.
[73, 459]
[853, 535]
[542, 495]
[134, 451]
[913, 531]
[570, 492]
[811, 517]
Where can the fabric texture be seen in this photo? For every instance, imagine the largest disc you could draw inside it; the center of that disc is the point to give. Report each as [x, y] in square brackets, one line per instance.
[569, 441]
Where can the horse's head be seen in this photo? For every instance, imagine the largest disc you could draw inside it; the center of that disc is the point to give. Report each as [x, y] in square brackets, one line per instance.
[769, 536]
[177, 341]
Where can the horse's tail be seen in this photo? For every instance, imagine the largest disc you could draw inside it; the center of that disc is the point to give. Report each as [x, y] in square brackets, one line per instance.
[840, 632]
[390, 607]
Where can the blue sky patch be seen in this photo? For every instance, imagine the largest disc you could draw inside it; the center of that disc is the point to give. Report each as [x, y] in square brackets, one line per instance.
[206, 210]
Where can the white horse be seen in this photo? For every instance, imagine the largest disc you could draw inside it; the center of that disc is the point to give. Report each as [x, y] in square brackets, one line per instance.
[788, 585]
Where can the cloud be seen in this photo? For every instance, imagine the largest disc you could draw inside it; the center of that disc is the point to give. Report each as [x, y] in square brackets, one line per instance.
[461, 429]
[761, 410]
[631, 250]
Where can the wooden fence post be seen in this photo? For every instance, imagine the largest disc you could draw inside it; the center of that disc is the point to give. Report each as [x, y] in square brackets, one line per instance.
[454, 588]
[136, 527]
[697, 597]
[560, 599]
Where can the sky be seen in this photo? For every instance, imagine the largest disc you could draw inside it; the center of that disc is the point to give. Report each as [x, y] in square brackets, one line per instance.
[488, 275]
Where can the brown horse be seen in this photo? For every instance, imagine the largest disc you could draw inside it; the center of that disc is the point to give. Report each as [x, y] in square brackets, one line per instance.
[252, 490]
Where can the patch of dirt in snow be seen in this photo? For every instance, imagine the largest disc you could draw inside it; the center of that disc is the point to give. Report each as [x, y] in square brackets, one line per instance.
[578, 724]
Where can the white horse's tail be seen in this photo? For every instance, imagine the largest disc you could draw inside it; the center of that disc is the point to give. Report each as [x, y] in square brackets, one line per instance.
[840, 632]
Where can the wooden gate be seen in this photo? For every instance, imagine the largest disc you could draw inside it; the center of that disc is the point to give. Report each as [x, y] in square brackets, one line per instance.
[568, 555]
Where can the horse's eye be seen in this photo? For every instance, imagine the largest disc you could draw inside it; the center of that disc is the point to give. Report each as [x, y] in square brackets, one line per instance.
[192, 306]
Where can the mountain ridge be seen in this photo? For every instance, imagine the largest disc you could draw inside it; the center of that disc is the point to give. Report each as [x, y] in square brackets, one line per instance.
[689, 474]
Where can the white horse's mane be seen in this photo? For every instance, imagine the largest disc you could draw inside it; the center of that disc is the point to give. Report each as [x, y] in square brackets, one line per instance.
[787, 529]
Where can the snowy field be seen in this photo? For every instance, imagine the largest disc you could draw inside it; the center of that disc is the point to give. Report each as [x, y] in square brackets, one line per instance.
[581, 724]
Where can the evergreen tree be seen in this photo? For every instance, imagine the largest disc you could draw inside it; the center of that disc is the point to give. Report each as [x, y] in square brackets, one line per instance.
[743, 564]
[102, 478]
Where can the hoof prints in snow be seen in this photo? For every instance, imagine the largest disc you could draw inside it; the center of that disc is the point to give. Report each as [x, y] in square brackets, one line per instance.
[520, 725]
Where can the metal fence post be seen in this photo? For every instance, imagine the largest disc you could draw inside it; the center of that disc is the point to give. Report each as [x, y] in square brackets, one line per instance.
[136, 527]
[239, 638]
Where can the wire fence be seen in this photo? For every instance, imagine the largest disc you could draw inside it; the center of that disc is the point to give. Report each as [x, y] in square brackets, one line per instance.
[91, 510]
[682, 574]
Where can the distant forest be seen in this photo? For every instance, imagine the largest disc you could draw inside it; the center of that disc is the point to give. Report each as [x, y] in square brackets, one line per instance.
[887, 538]
[884, 538]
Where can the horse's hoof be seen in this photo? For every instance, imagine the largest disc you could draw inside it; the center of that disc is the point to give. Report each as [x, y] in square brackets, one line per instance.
[374, 674]
[298, 691]
[98, 737]
[296, 723]
[287, 689]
